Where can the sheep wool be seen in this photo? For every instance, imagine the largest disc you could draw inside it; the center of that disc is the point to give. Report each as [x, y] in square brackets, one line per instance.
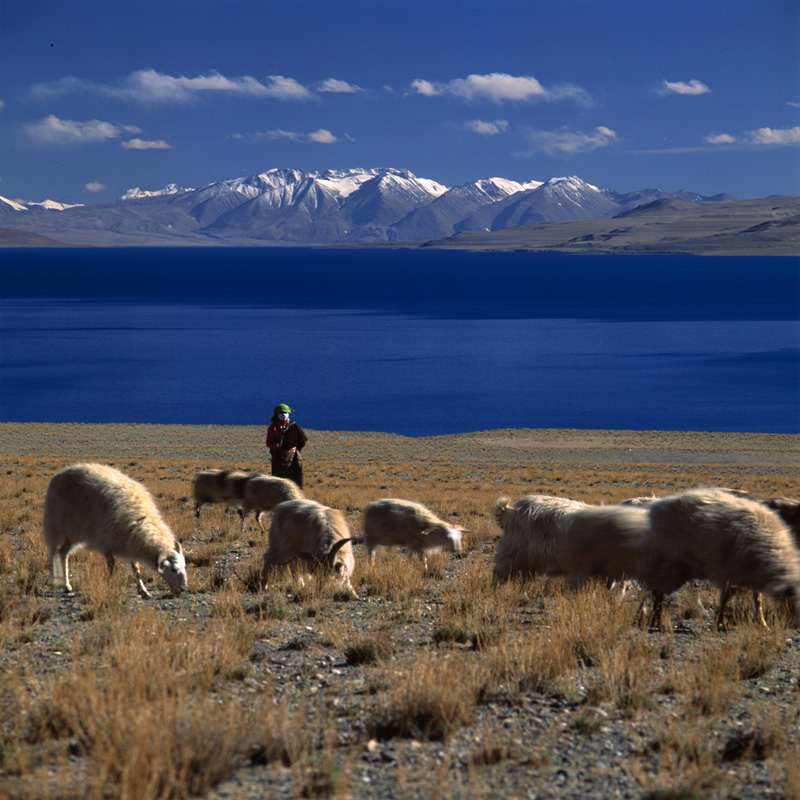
[728, 539]
[263, 492]
[531, 530]
[305, 529]
[404, 523]
[99, 507]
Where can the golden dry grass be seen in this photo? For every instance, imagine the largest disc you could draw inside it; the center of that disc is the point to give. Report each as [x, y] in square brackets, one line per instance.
[430, 684]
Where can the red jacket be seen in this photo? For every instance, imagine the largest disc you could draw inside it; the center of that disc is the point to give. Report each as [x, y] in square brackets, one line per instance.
[284, 438]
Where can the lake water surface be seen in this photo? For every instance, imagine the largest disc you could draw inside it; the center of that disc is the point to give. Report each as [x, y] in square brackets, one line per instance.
[408, 341]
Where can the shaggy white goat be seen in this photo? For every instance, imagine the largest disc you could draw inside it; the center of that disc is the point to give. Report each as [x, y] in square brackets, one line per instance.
[602, 541]
[786, 508]
[728, 539]
[218, 486]
[101, 508]
[307, 530]
[531, 529]
[403, 523]
[264, 492]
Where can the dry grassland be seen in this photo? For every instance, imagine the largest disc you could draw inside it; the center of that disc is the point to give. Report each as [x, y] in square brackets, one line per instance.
[430, 684]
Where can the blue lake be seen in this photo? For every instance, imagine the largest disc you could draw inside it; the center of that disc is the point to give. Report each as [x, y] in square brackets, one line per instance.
[417, 342]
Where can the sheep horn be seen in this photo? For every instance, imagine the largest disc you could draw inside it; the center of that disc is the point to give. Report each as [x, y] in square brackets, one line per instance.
[335, 548]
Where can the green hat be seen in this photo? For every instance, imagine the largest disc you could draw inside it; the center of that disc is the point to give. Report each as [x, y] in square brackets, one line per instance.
[282, 408]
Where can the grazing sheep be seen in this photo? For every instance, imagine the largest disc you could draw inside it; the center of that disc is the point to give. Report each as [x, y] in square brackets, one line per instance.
[604, 542]
[788, 509]
[304, 529]
[100, 508]
[218, 486]
[264, 492]
[531, 529]
[403, 523]
[728, 539]
[639, 501]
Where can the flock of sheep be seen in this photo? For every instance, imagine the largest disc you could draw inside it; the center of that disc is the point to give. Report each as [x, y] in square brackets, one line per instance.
[723, 536]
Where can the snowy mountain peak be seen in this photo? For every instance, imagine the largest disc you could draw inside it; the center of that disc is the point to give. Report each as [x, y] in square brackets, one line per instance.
[52, 205]
[12, 204]
[571, 183]
[48, 205]
[138, 194]
[336, 206]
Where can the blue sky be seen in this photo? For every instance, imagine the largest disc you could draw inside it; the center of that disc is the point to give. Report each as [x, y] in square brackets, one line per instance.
[97, 97]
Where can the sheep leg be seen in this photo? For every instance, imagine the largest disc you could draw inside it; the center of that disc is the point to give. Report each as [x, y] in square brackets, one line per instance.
[259, 515]
[759, 606]
[657, 614]
[59, 560]
[795, 601]
[268, 566]
[639, 616]
[724, 598]
[139, 583]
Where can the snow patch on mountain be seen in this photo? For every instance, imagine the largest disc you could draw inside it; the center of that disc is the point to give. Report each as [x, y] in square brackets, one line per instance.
[139, 194]
[16, 206]
[52, 205]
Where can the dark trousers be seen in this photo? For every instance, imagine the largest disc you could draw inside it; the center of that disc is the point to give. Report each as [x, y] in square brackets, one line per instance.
[293, 470]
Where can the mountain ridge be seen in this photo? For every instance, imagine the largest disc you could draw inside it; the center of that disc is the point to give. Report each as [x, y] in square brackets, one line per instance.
[332, 207]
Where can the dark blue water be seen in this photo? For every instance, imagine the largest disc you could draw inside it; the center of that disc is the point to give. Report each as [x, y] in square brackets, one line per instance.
[412, 342]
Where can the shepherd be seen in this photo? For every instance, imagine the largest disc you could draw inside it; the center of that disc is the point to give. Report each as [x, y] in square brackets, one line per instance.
[285, 440]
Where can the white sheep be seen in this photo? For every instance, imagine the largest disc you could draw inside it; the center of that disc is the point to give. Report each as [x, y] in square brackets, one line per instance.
[725, 538]
[531, 529]
[404, 523]
[218, 486]
[101, 508]
[603, 542]
[307, 530]
[264, 492]
[786, 508]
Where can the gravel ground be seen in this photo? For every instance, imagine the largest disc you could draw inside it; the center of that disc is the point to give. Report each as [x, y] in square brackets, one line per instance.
[520, 744]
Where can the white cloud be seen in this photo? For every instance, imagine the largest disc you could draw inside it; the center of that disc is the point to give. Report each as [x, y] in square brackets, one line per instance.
[487, 128]
[693, 87]
[320, 136]
[761, 137]
[788, 103]
[720, 138]
[499, 87]
[568, 142]
[770, 136]
[95, 186]
[141, 144]
[425, 88]
[150, 86]
[338, 87]
[54, 131]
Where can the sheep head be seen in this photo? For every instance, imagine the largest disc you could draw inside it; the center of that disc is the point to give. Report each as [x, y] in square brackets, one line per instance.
[342, 565]
[172, 568]
[445, 536]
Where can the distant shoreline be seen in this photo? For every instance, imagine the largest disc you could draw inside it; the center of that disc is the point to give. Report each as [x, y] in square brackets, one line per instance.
[759, 227]
[242, 445]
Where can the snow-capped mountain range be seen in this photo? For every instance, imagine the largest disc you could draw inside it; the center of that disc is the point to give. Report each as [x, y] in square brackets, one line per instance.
[290, 206]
